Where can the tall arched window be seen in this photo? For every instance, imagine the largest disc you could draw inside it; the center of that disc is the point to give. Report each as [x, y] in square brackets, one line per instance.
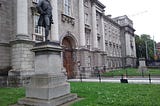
[67, 7]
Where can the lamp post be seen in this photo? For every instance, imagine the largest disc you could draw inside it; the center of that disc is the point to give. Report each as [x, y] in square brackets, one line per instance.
[154, 46]
[146, 50]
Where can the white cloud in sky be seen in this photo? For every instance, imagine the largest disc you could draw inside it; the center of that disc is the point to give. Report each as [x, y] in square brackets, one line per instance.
[144, 13]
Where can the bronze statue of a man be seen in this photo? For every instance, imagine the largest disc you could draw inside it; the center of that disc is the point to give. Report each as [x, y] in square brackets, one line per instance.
[45, 20]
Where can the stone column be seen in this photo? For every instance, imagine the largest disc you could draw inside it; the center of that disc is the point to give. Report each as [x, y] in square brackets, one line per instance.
[22, 19]
[81, 23]
[54, 27]
[21, 55]
[82, 37]
[103, 34]
[94, 26]
[128, 47]
[134, 46]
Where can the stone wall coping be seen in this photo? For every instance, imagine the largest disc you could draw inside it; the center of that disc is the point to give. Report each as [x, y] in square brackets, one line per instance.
[47, 75]
[22, 41]
[47, 46]
[5, 44]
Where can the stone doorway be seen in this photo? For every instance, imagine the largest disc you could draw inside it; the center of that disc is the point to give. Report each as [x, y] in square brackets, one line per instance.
[68, 56]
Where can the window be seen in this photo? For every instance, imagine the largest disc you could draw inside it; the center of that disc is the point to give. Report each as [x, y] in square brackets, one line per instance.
[86, 19]
[67, 7]
[97, 21]
[89, 61]
[35, 1]
[37, 29]
[87, 34]
[87, 39]
[106, 46]
[99, 41]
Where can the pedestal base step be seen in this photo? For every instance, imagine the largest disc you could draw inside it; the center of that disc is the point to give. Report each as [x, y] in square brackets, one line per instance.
[53, 102]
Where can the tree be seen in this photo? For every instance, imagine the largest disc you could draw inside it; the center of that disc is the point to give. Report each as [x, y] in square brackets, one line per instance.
[144, 46]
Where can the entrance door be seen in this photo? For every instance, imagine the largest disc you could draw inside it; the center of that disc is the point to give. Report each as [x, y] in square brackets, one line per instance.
[68, 57]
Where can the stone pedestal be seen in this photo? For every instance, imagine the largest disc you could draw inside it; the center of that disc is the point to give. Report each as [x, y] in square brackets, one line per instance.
[48, 87]
[48, 58]
[142, 64]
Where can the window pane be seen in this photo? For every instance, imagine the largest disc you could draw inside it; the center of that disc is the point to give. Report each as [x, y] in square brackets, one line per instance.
[37, 29]
[67, 7]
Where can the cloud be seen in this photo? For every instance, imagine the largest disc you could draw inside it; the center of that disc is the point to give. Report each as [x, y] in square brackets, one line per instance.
[144, 13]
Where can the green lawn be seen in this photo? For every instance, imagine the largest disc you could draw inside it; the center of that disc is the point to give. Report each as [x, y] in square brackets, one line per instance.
[99, 94]
[10, 95]
[132, 72]
[114, 94]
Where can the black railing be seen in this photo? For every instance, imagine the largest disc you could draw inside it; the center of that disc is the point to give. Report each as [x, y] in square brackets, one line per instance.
[98, 72]
[94, 72]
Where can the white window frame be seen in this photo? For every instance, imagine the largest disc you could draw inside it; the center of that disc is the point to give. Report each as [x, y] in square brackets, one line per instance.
[68, 7]
[86, 18]
[87, 39]
[36, 27]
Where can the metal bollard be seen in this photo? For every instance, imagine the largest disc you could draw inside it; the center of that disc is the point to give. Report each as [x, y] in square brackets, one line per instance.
[126, 73]
[149, 78]
[104, 68]
[80, 77]
[99, 75]
[142, 72]
[122, 76]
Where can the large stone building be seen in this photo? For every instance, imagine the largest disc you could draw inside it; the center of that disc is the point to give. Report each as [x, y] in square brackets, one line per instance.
[88, 37]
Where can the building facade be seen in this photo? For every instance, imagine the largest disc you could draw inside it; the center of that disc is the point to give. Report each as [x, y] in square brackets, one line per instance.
[127, 40]
[89, 38]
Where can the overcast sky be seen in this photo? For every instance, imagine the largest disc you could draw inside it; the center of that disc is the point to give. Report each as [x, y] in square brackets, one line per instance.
[144, 13]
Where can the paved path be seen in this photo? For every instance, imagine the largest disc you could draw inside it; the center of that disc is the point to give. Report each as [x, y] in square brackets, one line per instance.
[117, 80]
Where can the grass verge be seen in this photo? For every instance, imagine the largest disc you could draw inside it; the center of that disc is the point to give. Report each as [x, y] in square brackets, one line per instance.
[10, 96]
[99, 94]
[114, 94]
